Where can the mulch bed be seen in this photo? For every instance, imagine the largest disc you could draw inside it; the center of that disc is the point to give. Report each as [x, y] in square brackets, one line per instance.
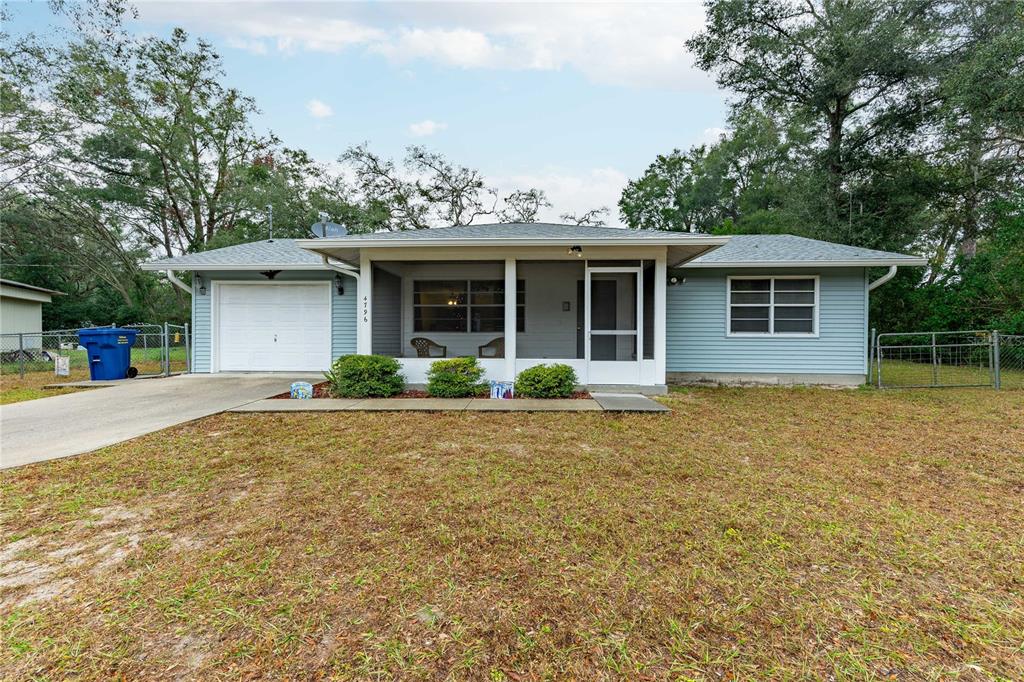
[320, 391]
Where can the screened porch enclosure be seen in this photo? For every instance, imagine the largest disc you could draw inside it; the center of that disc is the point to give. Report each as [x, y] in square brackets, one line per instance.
[426, 310]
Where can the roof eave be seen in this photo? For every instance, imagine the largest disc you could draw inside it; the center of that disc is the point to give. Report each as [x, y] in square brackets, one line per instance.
[320, 244]
[254, 267]
[30, 287]
[866, 263]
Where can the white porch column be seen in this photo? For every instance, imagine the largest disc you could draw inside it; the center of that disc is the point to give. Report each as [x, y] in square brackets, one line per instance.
[510, 319]
[660, 295]
[364, 315]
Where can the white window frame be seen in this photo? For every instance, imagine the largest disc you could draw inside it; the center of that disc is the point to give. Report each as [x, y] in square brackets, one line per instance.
[771, 333]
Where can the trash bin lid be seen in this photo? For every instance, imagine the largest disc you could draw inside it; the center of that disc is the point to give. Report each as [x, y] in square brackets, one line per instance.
[107, 331]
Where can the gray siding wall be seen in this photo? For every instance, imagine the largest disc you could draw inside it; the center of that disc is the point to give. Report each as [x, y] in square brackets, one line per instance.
[387, 313]
[550, 330]
[696, 327]
[343, 311]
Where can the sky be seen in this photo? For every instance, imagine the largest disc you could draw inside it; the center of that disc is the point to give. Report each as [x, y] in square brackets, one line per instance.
[571, 98]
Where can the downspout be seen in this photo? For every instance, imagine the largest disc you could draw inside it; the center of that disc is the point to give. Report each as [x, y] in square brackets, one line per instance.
[871, 348]
[883, 279]
[173, 279]
[343, 269]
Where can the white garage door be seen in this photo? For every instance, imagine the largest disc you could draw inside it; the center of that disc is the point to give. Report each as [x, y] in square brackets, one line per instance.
[273, 327]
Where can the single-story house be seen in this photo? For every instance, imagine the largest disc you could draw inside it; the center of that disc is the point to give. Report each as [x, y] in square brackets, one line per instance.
[21, 311]
[638, 308]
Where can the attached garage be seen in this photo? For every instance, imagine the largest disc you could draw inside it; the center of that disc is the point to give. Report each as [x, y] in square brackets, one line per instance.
[271, 326]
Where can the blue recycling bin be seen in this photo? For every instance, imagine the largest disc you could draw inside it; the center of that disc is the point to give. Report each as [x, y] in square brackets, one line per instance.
[110, 352]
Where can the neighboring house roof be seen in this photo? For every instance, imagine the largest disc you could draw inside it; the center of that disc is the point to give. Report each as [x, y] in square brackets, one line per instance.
[786, 250]
[26, 292]
[277, 254]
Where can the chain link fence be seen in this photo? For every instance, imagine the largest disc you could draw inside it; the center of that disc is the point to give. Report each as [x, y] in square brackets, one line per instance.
[159, 350]
[947, 359]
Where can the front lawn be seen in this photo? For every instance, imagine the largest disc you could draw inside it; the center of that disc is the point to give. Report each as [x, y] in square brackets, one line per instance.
[752, 533]
[15, 388]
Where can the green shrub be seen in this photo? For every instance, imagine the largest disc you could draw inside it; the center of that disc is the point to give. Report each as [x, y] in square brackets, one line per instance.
[546, 381]
[365, 376]
[455, 378]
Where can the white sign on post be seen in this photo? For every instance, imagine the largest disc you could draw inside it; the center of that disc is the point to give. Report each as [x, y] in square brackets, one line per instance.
[61, 365]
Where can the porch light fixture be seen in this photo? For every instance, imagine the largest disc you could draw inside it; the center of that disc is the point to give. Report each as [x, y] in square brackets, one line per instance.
[339, 285]
[202, 285]
[576, 251]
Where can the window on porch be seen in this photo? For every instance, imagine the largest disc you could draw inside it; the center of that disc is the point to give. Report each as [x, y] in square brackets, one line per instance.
[476, 305]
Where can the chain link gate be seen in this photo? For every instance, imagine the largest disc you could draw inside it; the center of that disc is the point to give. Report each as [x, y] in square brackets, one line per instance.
[980, 358]
[159, 350]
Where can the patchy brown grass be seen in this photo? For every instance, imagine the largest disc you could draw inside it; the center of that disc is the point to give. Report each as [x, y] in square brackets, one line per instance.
[14, 389]
[770, 533]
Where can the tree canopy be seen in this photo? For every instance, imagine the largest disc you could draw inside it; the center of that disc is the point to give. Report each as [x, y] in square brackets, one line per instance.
[889, 125]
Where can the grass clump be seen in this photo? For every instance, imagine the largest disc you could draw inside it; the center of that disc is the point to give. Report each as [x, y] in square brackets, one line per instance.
[365, 376]
[546, 381]
[456, 378]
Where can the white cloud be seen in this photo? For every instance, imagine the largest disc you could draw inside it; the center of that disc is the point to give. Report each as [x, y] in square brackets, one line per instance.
[318, 109]
[426, 128]
[255, 46]
[459, 47]
[622, 43]
[713, 135]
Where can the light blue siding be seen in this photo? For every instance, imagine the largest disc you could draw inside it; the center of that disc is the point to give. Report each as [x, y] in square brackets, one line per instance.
[696, 327]
[343, 320]
[343, 311]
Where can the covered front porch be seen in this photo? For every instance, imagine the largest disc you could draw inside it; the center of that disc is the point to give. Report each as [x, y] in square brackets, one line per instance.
[598, 308]
[601, 319]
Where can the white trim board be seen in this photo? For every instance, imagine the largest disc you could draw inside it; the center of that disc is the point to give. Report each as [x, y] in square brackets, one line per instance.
[771, 334]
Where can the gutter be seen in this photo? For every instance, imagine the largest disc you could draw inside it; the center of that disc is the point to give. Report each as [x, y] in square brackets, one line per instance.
[883, 279]
[173, 279]
[887, 262]
[206, 267]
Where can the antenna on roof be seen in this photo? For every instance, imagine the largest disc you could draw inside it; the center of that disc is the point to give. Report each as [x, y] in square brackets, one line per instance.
[270, 221]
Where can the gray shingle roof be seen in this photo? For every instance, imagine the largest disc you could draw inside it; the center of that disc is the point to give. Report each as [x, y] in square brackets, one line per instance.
[741, 250]
[785, 249]
[30, 287]
[280, 253]
[519, 231]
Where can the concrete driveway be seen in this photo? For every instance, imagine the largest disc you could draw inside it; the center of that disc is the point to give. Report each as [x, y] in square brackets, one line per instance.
[74, 423]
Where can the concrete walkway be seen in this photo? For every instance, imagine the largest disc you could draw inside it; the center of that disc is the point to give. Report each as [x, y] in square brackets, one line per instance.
[600, 402]
[74, 423]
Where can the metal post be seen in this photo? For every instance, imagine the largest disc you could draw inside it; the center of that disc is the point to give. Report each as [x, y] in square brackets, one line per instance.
[188, 353]
[935, 364]
[21, 355]
[995, 359]
[167, 351]
[878, 363]
[871, 353]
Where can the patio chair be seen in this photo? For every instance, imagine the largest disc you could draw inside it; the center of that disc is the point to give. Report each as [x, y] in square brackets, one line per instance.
[495, 348]
[425, 348]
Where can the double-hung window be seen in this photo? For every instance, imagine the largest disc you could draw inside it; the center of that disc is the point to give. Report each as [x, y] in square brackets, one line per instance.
[464, 305]
[773, 306]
